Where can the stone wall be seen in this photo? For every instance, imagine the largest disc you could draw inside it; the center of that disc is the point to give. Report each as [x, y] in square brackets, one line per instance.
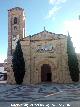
[56, 59]
[10, 74]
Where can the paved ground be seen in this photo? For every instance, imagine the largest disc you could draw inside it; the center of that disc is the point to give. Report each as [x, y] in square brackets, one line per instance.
[42, 95]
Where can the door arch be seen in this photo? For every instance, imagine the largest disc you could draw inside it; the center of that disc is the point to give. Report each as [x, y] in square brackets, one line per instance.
[46, 74]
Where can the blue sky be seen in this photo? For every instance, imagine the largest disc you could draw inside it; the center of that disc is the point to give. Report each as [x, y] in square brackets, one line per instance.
[58, 16]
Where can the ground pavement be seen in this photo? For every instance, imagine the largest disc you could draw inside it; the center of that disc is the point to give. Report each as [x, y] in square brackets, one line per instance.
[40, 95]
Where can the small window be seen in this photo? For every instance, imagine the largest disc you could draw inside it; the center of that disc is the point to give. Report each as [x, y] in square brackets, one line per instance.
[14, 36]
[15, 20]
[15, 27]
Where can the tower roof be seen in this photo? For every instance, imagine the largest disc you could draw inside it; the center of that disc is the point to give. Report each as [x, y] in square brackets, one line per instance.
[16, 8]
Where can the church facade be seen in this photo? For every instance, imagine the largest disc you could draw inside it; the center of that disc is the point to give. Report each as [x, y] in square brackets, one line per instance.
[45, 53]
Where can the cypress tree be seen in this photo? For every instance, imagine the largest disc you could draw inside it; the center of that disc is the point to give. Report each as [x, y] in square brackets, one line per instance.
[72, 60]
[18, 64]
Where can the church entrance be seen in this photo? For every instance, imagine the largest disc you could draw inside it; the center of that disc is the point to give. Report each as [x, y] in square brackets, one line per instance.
[46, 75]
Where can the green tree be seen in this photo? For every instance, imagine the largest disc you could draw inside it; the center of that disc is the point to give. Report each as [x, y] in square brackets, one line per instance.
[18, 64]
[72, 60]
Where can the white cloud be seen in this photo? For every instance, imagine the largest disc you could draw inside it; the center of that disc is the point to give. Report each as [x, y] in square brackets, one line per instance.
[56, 1]
[52, 12]
[52, 1]
[73, 27]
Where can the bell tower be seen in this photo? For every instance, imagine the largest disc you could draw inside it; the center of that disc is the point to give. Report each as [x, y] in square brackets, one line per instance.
[16, 27]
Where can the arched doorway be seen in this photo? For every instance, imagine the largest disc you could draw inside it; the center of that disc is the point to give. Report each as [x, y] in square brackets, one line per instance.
[46, 75]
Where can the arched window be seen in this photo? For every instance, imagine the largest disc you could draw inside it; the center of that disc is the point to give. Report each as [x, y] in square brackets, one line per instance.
[15, 27]
[15, 20]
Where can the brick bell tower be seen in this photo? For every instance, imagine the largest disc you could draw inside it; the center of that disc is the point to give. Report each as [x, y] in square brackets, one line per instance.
[16, 31]
[16, 27]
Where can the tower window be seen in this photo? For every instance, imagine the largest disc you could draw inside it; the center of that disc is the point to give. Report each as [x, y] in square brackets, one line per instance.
[15, 27]
[15, 20]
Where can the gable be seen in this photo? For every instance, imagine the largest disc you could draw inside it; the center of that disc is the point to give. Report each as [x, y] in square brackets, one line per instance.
[45, 35]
